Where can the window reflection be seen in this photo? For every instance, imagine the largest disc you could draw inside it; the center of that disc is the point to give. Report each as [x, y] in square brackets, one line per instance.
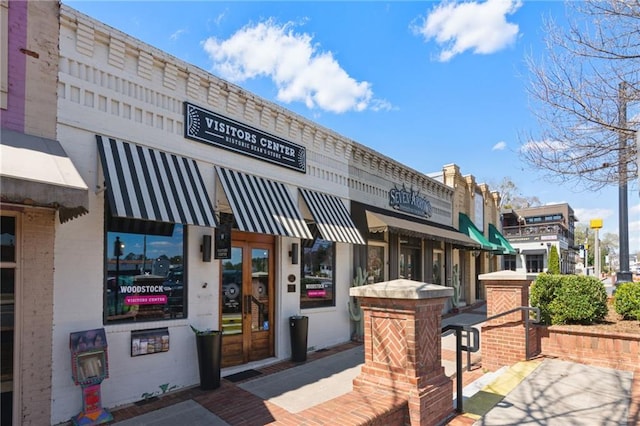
[145, 276]
[8, 239]
[318, 282]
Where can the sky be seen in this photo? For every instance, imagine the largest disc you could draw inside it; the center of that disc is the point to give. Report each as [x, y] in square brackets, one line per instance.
[426, 83]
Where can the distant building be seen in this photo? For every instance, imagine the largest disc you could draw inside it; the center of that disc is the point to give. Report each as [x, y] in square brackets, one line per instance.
[533, 231]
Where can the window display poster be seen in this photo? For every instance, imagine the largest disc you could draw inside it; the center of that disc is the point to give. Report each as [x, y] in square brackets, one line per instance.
[375, 264]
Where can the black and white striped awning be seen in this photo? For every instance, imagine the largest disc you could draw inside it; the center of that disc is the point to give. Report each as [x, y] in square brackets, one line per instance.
[331, 217]
[147, 184]
[261, 205]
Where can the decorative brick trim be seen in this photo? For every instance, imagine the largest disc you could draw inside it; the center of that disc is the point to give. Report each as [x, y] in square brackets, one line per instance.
[249, 110]
[116, 53]
[403, 356]
[85, 39]
[145, 65]
[233, 103]
[213, 96]
[170, 76]
[504, 339]
[193, 86]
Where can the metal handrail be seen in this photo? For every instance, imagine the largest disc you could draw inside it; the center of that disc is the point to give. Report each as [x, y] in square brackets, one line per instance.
[469, 329]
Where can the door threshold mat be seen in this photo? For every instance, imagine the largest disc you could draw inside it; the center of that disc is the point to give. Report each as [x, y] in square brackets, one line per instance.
[243, 375]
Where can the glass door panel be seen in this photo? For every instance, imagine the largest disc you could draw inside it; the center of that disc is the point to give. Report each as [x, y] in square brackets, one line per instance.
[438, 267]
[259, 289]
[409, 266]
[232, 293]
[247, 301]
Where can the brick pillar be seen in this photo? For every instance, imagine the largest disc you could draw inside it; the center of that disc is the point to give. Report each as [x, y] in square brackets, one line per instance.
[402, 345]
[503, 339]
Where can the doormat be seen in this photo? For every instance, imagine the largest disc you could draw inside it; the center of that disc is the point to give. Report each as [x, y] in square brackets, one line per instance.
[243, 375]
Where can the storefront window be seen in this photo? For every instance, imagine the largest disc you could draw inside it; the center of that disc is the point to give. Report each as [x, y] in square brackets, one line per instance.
[375, 264]
[145, 276]
[8, 264]
[509, 262]
[535, 263]
[318, 282]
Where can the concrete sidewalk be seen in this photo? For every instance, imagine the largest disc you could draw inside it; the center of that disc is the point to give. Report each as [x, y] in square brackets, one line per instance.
[556, 393]
[541, 392]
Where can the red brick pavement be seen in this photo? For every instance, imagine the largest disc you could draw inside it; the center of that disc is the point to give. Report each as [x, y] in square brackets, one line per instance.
[239, 407]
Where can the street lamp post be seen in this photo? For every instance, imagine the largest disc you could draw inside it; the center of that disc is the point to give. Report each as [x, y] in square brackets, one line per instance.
[624, 275]
[117, 252]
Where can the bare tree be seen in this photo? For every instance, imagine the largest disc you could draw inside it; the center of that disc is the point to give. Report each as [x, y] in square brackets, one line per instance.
[511, 198]
[579, 93]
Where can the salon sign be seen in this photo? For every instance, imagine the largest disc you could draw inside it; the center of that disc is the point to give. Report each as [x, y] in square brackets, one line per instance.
[214, 129]
[410, 201]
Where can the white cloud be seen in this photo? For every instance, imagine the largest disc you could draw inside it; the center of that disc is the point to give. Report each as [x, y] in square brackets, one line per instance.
[547, 145]
[499, 146]
[300, 71]
[176, 35]
[585, 215]
[481, 27]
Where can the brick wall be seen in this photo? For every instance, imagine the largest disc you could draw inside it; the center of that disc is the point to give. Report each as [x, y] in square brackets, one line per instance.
[32, 68]
[403, 358]
[36, 313]
[42, 69]
[619, 351]
[504, 339]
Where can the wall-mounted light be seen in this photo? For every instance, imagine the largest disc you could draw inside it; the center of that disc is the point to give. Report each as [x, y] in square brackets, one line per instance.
[475, 253]
[293, 254]
[205, 248]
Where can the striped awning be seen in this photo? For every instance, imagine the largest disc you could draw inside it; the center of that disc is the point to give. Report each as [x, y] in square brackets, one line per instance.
[147, 184]
[261, 205]
[331, 217]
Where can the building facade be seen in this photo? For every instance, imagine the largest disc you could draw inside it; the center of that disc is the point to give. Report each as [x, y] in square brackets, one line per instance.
[192, 203]
[41, 194]
[476, 214]
[213, 208]
[534, 231]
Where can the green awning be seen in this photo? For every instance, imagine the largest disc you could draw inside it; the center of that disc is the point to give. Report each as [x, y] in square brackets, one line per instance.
[498, 239]
[467, 227]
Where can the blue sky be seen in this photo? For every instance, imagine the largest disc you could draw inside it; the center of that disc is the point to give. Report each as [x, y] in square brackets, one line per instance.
[426, 83]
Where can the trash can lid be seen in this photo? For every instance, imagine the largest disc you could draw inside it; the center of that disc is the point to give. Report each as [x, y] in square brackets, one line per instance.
[297, 317]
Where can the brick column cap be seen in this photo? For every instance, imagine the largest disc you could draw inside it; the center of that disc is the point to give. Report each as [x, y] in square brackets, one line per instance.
[507, 276]
[402, 289]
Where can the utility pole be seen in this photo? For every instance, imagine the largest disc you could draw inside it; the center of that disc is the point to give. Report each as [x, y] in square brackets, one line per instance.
[624, 275]
[586, 251]
[596, 225]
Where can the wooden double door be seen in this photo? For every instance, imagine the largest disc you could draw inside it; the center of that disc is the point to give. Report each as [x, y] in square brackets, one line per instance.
[247, 299]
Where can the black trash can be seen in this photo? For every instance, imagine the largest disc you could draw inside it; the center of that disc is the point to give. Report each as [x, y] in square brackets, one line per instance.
[298, 328]
[209, 346]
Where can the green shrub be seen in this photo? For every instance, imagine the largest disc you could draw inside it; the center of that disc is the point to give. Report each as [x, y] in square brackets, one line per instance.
[579, 300]
[543, 291]
[627, 300]
[554, 261]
